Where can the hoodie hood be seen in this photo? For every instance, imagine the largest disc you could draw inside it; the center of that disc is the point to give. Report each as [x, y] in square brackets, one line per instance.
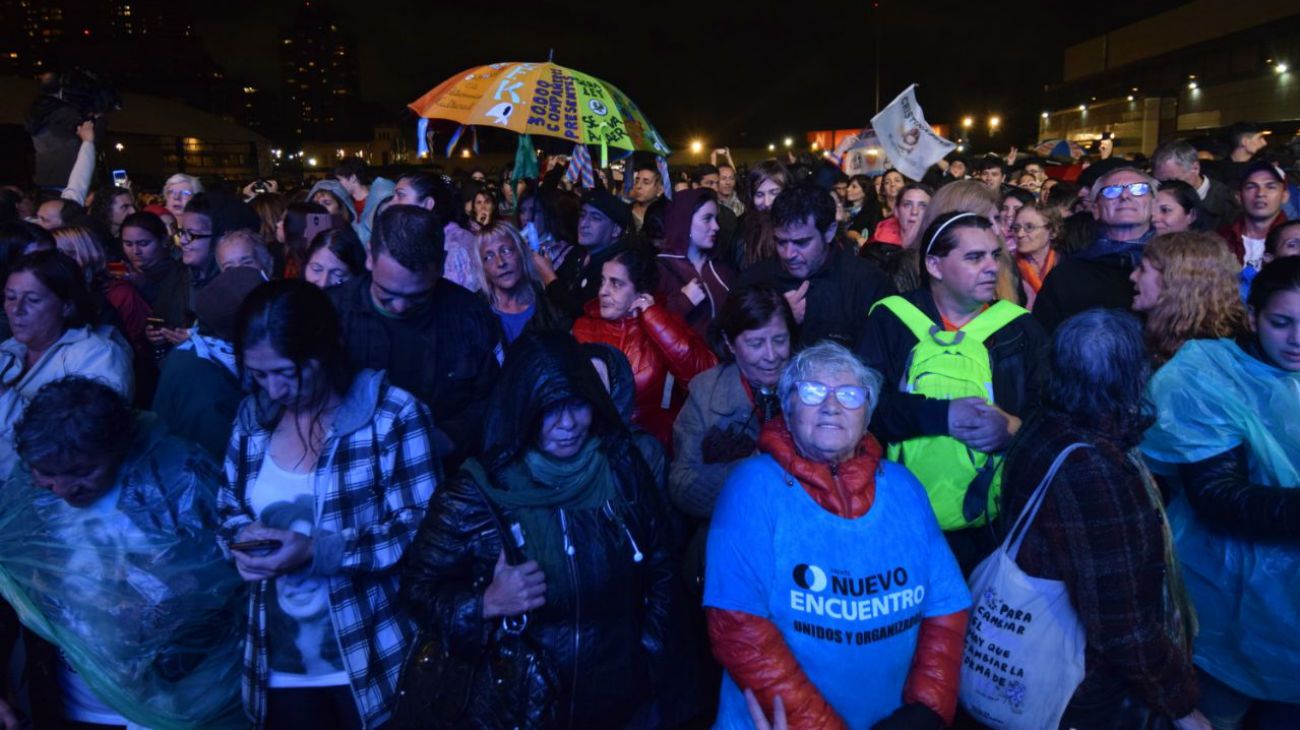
[541, 370]
[622, 384]
[677, 221]
[336, 187]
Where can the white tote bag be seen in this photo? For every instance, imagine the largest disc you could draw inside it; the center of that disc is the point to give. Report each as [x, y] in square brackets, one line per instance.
[1024, 645]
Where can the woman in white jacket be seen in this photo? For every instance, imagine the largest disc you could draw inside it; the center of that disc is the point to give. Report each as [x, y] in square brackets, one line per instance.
[51, 314]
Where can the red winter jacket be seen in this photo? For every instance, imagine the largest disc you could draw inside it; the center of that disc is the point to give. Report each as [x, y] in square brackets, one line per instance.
[658, 344]
[752, 649]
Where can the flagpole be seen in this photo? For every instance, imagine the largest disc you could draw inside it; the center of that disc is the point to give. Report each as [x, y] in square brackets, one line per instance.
[875, 21]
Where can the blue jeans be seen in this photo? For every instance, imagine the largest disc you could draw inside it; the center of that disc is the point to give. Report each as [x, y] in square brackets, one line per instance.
[1226, 708]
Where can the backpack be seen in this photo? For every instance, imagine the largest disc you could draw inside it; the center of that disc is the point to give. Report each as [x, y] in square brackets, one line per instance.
[963, 484]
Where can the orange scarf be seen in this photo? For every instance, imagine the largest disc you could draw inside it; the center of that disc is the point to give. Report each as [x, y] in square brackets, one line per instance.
[1030, 275]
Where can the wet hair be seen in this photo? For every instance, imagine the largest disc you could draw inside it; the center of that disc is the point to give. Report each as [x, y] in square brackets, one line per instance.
[442, 190]
[350, 166]
[1185, 195]
[642, 268]
[502, 231]
[798, 203]
[101, 208]
[910, 186]
[748, 308]
[64, 278]
[1274, 240]
[647, 166]
[699, 172]
[828, 357]
[1063, 194]
[766, 170]
[270, 208]
[299, 323]
[200, 204]
[1277, 276]
[16, 237]
[149, 223]
[412, 236]
[344, 244]
[941, 237]
[1024, 196]
[1098, 372]
[73, 417]
[1200, 297]
[81, 243]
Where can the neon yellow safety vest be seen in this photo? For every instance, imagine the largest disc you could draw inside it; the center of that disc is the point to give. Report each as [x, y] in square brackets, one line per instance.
[963, 484]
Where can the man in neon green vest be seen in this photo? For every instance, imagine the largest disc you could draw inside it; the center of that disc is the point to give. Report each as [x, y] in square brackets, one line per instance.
[961, 371]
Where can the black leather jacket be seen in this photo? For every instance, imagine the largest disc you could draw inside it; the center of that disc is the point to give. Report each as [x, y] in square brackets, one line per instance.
[609, 642]
[1016, 354]
[1220, 490]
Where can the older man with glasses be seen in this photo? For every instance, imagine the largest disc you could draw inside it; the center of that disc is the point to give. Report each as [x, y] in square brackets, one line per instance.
[1097, 277]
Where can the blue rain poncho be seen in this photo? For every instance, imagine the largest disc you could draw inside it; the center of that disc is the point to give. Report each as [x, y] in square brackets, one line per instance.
[133, 589]
[1213, 397]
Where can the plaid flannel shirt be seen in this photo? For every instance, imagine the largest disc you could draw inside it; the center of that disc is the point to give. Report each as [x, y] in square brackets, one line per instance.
[373, 482]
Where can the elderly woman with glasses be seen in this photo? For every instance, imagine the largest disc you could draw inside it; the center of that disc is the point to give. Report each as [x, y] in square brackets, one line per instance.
[826, 566]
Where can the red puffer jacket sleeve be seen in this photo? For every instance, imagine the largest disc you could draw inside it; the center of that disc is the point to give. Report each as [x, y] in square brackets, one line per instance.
[936, 665]
[685, 352]
[752, 650]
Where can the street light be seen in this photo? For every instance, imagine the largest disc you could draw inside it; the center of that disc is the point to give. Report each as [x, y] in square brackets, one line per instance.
[1280, 68]
[696, 147]
[311, 161]
[1046, 115]
[119, 146]
[968, 122]
[994, 122]
[771, 147]
[1083, 107]
[789, 142]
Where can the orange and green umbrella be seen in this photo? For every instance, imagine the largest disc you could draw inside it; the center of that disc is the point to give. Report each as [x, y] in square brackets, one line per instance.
[543, 99]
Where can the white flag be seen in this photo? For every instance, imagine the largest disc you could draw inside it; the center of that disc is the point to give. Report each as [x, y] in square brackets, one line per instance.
[906, 138]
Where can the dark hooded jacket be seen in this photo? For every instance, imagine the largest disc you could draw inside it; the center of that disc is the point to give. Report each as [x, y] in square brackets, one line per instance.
[608, 641]
[676, 269]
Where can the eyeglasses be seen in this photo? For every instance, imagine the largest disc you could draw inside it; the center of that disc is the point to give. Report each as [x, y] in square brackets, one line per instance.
[813, 393]
[1137, 190]
[179, 194]
[187, 235]
[1019, 228]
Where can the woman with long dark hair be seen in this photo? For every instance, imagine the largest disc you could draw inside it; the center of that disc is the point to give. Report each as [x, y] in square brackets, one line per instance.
[438, 193]
[693, 278]
[328, 475]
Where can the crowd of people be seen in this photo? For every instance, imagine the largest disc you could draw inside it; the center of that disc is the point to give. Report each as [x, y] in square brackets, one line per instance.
[755, 446]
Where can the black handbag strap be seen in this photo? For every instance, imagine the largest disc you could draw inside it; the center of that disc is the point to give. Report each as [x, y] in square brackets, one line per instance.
[514, 556]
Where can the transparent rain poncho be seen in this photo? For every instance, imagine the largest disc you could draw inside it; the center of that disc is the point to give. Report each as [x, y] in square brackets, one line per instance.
[133, 589]
[1211, 398]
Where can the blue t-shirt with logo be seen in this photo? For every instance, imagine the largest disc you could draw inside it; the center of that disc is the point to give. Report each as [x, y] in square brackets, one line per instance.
[847, 595]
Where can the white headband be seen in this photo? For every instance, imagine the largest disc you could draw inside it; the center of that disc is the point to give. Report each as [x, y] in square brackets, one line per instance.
[946, 223]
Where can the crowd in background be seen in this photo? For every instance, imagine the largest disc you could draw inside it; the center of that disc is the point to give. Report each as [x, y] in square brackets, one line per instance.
[754, 446]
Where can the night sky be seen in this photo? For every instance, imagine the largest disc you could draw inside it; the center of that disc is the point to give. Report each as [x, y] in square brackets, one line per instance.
[739, 74]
